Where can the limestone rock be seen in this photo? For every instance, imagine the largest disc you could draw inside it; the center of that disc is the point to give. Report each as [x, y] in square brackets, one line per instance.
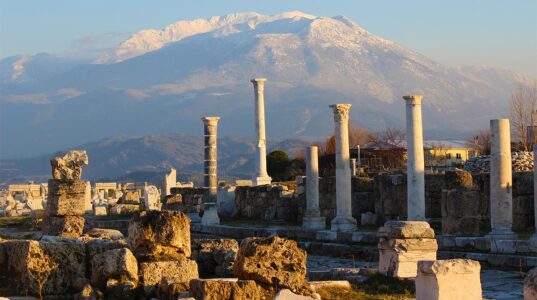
[286, 294]
[66, 198]
[178, 272]
[406, 229]
[68, 226]
[215, 257]
[530, 285]
[124, 209]
[272, 261]
[97, 246]
[160, 235]
[120, 290]
[170, 290]
[448, 279]
[457, 179]
[107, 234]
[119, 264]
[173, 202]
[59, 262]
[68, 165]
[224, 289]
[87, 293]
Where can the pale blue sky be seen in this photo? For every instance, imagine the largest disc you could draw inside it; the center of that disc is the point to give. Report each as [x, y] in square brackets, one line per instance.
[456, 32]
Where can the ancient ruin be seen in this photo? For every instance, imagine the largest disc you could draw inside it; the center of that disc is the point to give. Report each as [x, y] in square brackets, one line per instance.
[210, 214]
[312, 219]
[262, 176]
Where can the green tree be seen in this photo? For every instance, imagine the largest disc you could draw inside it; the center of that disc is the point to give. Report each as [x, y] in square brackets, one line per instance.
[277, 163]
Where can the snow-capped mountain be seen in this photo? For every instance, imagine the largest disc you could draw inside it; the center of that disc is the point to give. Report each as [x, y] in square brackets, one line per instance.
[165, 80]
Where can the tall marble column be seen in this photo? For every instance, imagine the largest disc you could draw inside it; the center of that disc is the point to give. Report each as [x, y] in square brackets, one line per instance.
[312, 219]
[210, 214]
[415, 163]
[353, 166]
[343, 220]
[501, 180]
[262, 177]
[534, 237]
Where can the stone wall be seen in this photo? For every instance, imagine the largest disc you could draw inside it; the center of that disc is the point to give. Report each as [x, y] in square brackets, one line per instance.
[192, 198]
[266, 203]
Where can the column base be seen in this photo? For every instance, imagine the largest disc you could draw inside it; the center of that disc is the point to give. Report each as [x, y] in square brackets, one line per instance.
[314, 223]
[501, 234]
[210, 215]
[343, 224]
[262, 180]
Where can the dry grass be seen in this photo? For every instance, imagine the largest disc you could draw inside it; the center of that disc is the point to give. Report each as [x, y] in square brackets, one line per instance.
[378, 287]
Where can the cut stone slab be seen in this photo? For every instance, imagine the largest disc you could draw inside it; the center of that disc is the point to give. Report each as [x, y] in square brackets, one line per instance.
[106, 234]
[68, 165]
[449, 279]
[286, 294]
[224, 289]
[158, 235]
[406, 229]
[66, 198]
[272, 261]
[530, 285]
[330, 284]
[119, 264]
[179, 271]
[67, 226]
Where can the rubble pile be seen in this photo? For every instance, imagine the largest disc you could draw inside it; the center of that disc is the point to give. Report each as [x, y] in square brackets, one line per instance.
[521, 162]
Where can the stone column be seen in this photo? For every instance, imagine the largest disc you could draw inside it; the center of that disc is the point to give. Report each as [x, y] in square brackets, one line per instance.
[415, 163]
[210, 214]
[262, 177]
[534, 237]
[312, 216]
[353, 166]
[501, 180]
[343, 220]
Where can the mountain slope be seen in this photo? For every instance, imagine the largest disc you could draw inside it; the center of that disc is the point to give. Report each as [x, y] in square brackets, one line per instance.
[165, 80]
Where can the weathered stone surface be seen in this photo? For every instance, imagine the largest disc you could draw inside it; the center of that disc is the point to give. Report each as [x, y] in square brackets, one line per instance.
[215, 257]
[224, 289]
[120, 290]
[406, 229]
[87, 293]
[171, 290]
[97, 246]
[119, 264]
[272, 261]
[402, 244]
[530, 285]
[173, 202]
[178, 272]
[58, 262]
[448, 279]
[458, 179]
[66, 198]
[68, 226]
[160, 235]
[106, 234]
[286, 294]
[68, 165]
[100, 211]
[124, 209]
[130, 198]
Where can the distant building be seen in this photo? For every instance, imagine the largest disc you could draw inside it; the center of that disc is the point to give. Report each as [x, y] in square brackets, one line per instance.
[381, 156]
[445, 153]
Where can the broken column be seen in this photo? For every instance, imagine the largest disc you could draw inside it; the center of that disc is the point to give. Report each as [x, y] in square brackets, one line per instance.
[168, 182]
[66, 195]
[353, 167]
[534, 237]
[210, 213]
[448, 279]
[415, 163]
[312, 219]
[501, 180]
[262, 176]
[343, 220]
[151, 198]
[402, 244]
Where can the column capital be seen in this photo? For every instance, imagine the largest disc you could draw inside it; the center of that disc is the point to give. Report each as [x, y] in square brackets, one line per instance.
[210, 120]
[341, 111]
[413, 99]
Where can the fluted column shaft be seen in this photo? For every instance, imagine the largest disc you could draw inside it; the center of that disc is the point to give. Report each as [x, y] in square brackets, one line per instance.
[211, 155]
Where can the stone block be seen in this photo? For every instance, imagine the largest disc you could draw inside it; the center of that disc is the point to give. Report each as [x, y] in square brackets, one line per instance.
[124, 209]
[106, 234]
[224, 289]
[215, 257]
[119, 264]
[178, 272]
[272, 261]
[458, 179]
[58, 262]
[100, 211]
[530, 285]
[66, 198]
[314, 223]
[68, 165]
[67, 226]
[406, 229]
[448, 279]
[368, 219]
[97, 246]
[286, 294]
[210, 214]
[160, 235]
[121, 290]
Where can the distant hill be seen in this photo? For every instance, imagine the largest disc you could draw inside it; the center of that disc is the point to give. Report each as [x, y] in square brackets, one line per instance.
[161, 81]
[147, 158]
